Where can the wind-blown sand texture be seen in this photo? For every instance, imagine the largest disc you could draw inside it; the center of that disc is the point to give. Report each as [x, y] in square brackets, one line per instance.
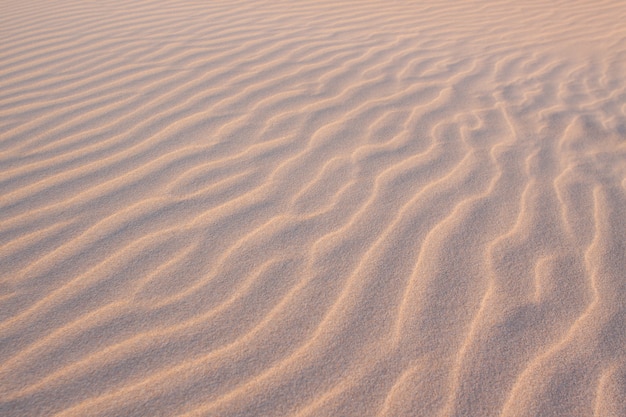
[313, 208]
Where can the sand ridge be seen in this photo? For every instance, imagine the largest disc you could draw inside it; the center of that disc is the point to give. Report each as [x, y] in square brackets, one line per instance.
[276, 208]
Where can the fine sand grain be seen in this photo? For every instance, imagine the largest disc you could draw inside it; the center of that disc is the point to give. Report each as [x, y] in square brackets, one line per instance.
[313, 208]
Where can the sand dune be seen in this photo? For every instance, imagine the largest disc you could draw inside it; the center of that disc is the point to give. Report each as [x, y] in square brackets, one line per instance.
[277, 208]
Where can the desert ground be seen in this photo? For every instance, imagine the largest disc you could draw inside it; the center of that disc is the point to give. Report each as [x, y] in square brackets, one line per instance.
[313, 208]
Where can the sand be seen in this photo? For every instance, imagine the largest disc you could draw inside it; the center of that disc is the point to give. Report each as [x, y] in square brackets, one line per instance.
[313, 208]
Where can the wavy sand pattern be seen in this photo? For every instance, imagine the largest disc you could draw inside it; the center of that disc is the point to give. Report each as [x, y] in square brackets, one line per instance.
[277, 208]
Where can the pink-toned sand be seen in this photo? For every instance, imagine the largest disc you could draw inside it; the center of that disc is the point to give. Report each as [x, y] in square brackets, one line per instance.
[313, 208]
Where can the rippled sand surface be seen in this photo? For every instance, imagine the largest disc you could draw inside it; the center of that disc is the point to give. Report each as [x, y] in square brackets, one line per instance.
[313, 208]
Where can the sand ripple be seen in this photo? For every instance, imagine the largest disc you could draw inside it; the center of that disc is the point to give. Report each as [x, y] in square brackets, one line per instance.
[273, 208]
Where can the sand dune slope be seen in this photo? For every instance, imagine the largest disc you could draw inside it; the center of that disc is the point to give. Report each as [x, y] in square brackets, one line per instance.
[313, 208]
